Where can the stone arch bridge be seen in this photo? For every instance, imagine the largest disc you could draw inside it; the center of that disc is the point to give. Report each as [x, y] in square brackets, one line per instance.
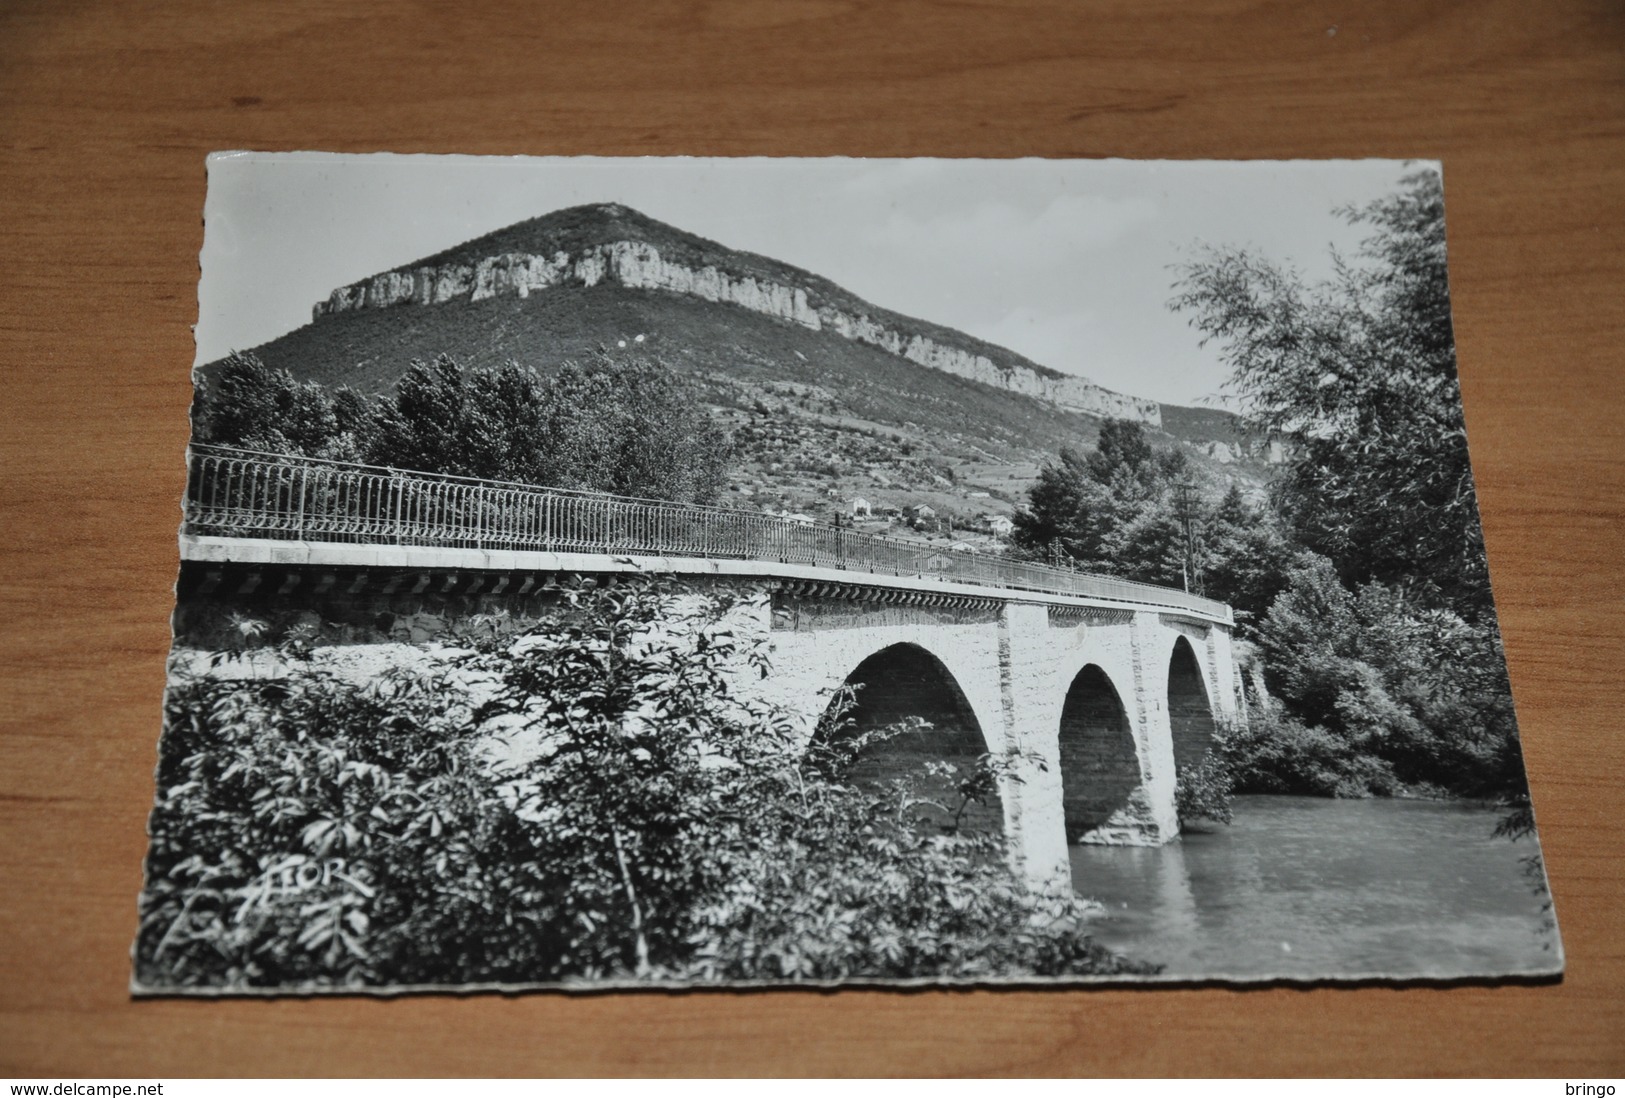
[1103, 689]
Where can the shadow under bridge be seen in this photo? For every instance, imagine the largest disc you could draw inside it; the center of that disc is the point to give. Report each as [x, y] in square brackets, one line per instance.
[913, 711]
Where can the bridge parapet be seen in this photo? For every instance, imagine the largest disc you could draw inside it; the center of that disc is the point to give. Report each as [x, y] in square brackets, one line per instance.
[255, 497]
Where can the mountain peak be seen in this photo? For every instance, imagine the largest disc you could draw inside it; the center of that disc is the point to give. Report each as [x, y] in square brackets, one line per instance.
[608, 244]
[568, 229]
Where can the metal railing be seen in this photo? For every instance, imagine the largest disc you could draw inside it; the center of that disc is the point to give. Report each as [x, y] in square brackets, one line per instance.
[245, 494]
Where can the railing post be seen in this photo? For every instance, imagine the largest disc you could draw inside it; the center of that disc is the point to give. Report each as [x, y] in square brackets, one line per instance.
[194, 478]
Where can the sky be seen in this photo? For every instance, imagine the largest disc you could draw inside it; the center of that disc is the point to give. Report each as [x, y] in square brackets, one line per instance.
[1068, 262]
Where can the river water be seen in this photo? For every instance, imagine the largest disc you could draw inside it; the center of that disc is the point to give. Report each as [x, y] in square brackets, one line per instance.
[1304, 887]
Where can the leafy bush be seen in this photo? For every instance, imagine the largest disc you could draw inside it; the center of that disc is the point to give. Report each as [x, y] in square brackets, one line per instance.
[1273, 752]
[1202, 792]
[642, 821]
[293, 815]
[1418, 693]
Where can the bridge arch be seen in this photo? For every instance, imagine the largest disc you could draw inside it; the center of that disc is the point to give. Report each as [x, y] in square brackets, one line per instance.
[895, 685]
[1190, 710]
[1100, 764]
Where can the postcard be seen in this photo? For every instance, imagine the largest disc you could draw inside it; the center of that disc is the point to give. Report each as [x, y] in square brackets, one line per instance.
[603, 573]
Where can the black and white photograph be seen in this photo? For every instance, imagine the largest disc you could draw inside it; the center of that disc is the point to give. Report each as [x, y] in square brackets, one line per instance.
[668, 572]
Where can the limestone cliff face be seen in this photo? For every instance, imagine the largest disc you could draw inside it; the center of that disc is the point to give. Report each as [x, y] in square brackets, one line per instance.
[640, 265]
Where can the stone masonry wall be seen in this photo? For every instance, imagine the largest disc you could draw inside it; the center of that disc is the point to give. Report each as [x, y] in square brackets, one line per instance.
[1100, 767]
[1190, 715]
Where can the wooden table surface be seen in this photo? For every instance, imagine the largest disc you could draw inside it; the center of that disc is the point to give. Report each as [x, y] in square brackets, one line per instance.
[106, 112]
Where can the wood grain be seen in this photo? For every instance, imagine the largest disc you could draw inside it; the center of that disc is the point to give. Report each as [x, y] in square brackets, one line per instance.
[106, 112]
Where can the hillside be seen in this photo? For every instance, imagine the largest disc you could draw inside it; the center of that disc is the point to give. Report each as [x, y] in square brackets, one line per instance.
[826, 398]
[591, 246]
[580, 229]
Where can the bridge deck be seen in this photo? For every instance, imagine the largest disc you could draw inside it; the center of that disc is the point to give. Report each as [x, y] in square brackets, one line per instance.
[298, 554]
[265, 508]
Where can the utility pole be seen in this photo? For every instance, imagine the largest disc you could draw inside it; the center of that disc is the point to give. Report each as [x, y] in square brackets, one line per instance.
[1187, 507]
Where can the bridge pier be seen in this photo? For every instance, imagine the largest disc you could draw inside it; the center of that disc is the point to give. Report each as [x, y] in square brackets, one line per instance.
[1038, 847]
[1079, 695]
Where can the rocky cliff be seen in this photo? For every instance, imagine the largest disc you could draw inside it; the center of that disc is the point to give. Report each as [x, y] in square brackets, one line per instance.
[686, 265]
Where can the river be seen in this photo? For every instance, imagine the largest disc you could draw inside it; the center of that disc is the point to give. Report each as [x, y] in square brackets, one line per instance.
[1304, 887]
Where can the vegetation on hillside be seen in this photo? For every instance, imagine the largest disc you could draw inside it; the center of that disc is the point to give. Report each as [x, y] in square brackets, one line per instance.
[628, 426]
[648, 823]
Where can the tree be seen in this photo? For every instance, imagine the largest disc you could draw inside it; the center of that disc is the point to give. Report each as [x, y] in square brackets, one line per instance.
[1067, 509]
[1382, 641]
[1113, 510]
[243, 402]
[1122, 445]
[1245, 558]
[1358, 373]
[445, 418]
[631, 427]
[1148, 545]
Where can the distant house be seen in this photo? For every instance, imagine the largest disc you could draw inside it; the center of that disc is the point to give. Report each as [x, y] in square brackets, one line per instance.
[799, 519]
[922, 511]
[1000, 525]
[859, 508]
[979, 495]
[962, 547]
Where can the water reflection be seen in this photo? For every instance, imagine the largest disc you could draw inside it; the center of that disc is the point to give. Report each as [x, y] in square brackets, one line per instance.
[1306, 887]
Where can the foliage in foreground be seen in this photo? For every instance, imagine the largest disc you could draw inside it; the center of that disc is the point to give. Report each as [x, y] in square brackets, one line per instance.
[647, 823]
